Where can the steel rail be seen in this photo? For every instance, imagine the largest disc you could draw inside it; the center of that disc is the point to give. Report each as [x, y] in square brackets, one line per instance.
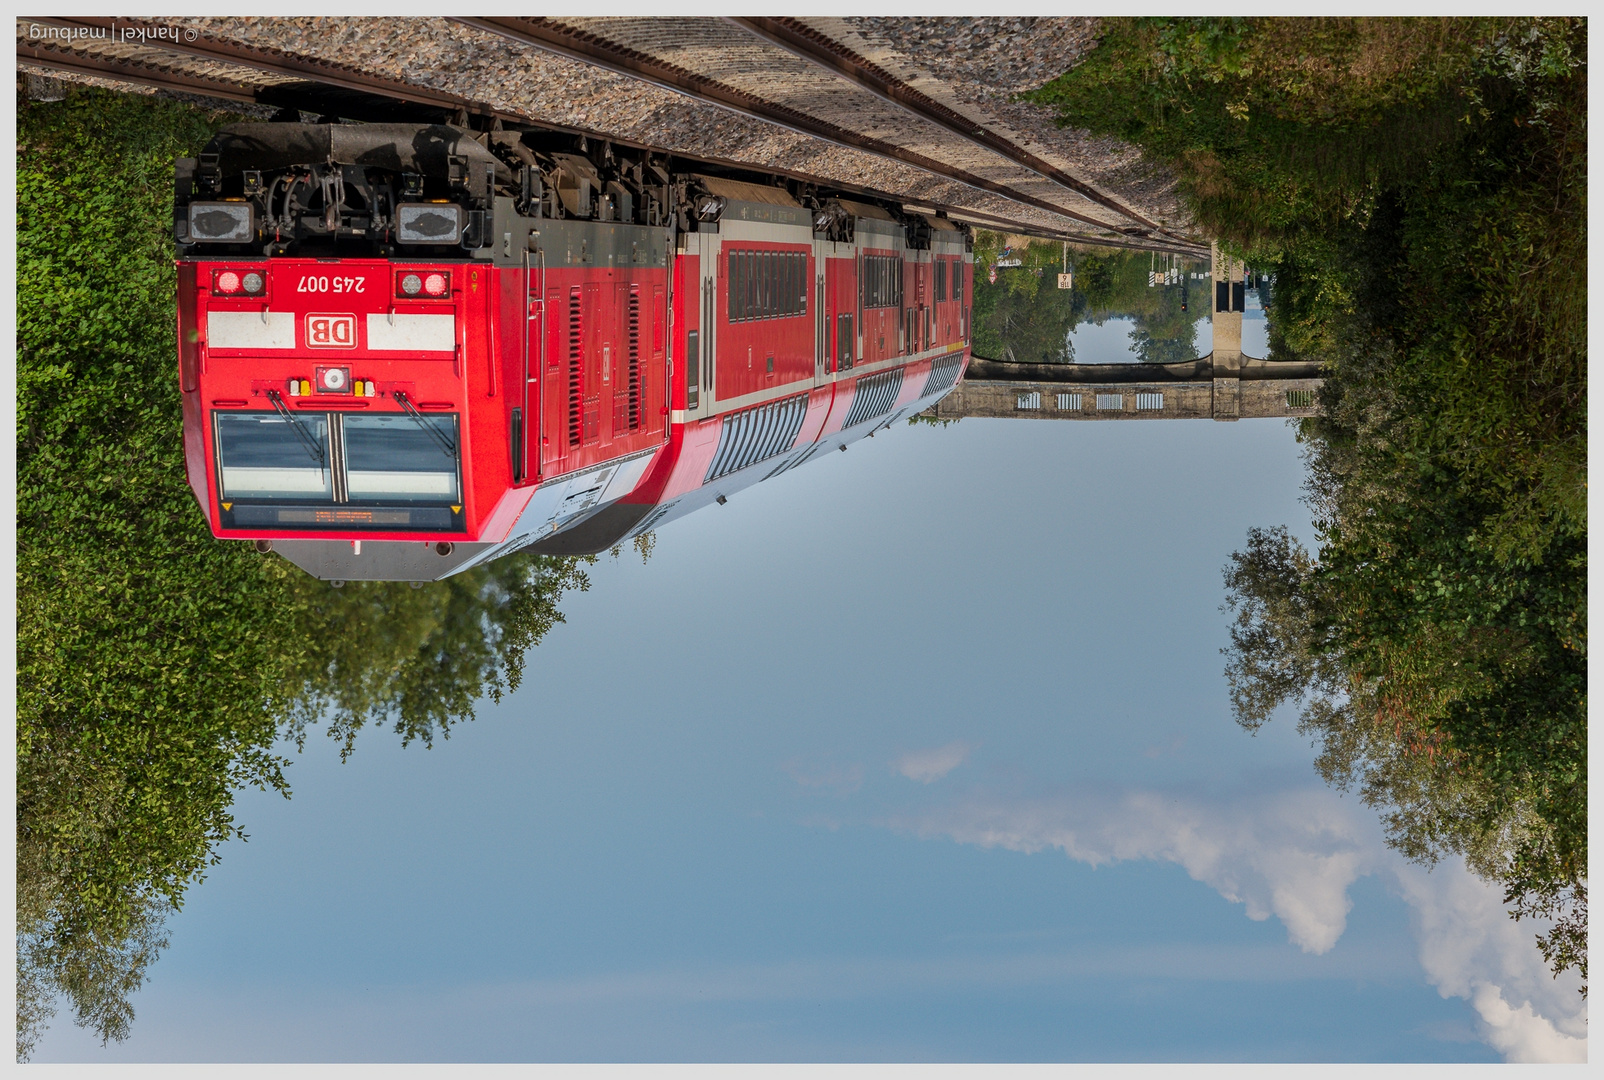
[271, 62]
[274, 62]
[593, 49]
[803, 41]
[53, 58]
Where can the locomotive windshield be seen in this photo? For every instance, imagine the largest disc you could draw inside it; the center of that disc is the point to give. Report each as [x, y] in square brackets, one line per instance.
[393, 458]
[334, 471]
[265, 456]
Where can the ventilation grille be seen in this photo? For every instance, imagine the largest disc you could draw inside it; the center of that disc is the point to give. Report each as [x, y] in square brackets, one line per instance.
[575, 396]
[943, 373]
[1031, 400]
[757, 435]
[1111, 402]
[1300, 399]
[1068, 402]
[792, 462]
[875, 396]
[1149, 401]
[634, 358]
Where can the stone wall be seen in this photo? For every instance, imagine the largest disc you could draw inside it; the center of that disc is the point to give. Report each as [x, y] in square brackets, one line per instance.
[1219, 399]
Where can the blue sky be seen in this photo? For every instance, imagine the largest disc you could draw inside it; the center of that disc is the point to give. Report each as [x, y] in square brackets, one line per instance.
[920, 752]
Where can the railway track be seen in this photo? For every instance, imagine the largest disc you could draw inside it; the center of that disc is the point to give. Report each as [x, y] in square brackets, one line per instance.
[797, 37]
[206, 64]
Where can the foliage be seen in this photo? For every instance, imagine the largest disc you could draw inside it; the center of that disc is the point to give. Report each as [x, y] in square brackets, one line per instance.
[419, 658]
[1417, 188]
[157, 667]
[1271, 122]
[129, 616]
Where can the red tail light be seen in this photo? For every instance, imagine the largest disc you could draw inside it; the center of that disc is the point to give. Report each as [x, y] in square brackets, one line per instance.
[430, 284]
[239, 283]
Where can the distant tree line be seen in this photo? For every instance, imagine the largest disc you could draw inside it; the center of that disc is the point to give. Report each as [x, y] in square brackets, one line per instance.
[1026, 318]
[1418, 188]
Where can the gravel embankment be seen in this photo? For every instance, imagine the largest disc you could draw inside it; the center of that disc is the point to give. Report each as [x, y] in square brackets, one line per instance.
[986, 62]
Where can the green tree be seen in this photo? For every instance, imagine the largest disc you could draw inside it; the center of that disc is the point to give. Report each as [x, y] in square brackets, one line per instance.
[157, 667]
[1025, 318]
[418, 659]
[1418, 188]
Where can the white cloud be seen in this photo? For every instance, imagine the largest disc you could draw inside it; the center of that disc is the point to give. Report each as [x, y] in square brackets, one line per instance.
[837, 778]
[1520, 1034]
[1471, 948]
[1293, 854]
[928, 766]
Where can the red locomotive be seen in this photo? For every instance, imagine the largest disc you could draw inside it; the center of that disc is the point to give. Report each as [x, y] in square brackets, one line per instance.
[405, 350]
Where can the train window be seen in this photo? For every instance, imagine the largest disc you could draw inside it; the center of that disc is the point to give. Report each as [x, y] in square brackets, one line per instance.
[767, 285]
[693, 385]
[882, 281]
[843, 342]
[401, 458]
[265, 456]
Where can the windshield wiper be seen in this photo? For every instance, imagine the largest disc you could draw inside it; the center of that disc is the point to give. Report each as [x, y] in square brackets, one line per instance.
[311, 444]
[441, 440]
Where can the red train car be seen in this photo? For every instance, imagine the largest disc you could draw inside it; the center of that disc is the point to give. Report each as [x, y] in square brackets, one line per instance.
[405, 350]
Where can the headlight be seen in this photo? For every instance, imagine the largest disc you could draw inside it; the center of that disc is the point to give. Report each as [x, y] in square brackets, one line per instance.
[221, 223]
[428, 223]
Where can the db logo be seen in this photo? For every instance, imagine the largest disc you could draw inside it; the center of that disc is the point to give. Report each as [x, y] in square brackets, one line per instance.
[331, 331]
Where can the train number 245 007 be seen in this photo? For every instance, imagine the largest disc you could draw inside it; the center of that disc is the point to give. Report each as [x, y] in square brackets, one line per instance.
[319, 284]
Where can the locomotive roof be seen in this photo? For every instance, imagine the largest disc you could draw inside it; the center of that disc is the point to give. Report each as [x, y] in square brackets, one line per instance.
[941, 224]
[744, 192]
[867, 210]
